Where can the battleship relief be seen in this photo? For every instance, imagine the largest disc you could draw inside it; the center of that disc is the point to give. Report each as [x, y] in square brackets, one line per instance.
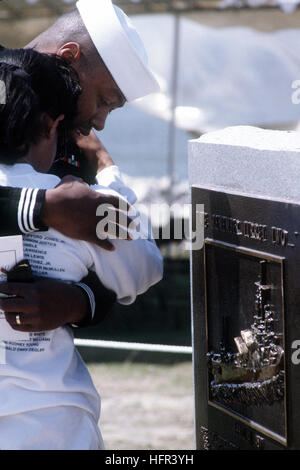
[254, 374]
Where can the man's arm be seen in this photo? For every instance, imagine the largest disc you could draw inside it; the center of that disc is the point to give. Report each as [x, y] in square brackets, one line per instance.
[20, 210]
[70, 209]
[133, 267]
[88, 302]
[47, 304]
[81, 305]
[51, 304]
[43, 305]
[101, 300]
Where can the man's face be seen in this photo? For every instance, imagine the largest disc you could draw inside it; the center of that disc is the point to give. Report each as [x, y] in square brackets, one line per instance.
[100, 95]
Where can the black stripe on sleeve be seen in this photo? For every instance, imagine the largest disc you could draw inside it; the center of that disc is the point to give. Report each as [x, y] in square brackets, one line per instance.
[104, 300]
[37, 211]
[9, 209]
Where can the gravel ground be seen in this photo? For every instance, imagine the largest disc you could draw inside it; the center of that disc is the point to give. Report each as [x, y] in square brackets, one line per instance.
[145, 406]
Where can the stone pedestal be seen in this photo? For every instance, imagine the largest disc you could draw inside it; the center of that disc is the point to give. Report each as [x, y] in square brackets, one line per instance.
[245, 293]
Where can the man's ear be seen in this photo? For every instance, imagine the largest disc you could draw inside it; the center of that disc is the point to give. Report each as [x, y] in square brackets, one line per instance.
[70, 52]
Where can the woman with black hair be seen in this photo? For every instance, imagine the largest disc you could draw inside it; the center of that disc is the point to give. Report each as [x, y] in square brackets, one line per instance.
[41, 98]
[48, 400]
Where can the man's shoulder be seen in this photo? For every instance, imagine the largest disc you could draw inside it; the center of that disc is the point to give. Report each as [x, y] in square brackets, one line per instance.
[23, 175]
[46, 181]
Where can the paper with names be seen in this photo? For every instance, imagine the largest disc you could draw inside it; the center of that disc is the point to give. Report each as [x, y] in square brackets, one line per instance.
[11, 252]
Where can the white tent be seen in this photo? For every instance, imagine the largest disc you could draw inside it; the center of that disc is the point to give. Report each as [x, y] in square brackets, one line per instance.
[226, 76]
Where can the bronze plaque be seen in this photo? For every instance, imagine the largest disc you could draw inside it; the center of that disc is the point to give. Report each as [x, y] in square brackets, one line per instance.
[246, 318]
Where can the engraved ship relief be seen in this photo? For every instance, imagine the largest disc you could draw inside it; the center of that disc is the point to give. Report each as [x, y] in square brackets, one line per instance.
[255, 374]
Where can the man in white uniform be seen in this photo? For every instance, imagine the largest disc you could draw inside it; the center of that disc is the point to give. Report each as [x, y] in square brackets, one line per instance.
[48, 400]
[102, 45]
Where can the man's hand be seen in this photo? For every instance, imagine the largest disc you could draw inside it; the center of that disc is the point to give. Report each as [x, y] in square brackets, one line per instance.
[94, 151]
[43, 305]
[71, 209]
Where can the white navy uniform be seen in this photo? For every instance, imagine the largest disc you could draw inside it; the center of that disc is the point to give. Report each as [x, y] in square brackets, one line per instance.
[48, 400]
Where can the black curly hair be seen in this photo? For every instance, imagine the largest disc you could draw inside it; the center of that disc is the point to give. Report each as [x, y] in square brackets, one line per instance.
[35, 84]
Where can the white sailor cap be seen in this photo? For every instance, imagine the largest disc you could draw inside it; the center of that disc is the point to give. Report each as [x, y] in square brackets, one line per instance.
[119, 46]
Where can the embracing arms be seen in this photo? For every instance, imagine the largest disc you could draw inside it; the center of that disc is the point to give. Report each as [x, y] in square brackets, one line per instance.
[70, 209]
[133, 267]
